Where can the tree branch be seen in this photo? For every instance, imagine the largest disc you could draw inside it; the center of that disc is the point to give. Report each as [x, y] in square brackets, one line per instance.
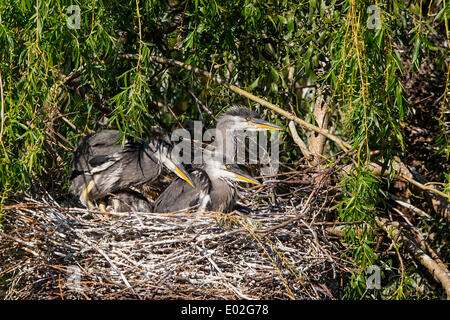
[438, 270]
[303, 148]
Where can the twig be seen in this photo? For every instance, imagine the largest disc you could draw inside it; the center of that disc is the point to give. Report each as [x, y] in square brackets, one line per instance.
[197, 100]
[226, 282]
[409, 206]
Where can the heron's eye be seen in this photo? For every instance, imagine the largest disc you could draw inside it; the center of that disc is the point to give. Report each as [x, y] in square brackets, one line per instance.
[228, 166]
[248, 118]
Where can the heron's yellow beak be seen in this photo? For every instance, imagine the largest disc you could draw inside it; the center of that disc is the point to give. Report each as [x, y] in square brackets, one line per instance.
[177, 168]
[183, 176]
[267, 127]
[260, 124]
[247, 179]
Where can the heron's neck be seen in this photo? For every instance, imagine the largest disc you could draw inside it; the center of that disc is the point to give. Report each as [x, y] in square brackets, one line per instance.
[155, 153]
[222, 186]
[225, 142]
[213, 168]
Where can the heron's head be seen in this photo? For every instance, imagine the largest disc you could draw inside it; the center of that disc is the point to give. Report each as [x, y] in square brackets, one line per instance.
[242, 118]
[217, 168]
[164, 154]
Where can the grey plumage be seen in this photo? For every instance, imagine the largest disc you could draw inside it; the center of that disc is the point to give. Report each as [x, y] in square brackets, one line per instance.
[178, 197]
[128, 201]
[101, 165]
[215, 189]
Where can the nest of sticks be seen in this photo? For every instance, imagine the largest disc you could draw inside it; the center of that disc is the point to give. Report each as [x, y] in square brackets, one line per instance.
[52, 250]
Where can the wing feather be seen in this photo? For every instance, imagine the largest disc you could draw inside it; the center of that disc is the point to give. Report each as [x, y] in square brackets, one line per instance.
[179, 195]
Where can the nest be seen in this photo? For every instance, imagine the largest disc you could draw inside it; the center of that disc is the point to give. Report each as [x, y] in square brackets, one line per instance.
[52, 251]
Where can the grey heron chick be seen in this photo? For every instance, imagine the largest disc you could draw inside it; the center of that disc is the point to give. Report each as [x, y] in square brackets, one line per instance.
[101, 165]
[215, 188]
[128, 201]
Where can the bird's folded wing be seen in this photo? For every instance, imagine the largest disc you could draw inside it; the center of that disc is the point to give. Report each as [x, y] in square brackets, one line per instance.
[100, 163]
[179, 195]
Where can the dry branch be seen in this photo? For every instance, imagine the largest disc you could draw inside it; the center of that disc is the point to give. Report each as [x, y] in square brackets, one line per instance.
[409, 206]
[401, 173]
[436, 268]
[303, 148]
[316, 140]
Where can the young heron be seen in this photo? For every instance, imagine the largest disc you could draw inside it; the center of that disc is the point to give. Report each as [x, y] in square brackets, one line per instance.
[215, 189]
[100, 165]
[128, 201]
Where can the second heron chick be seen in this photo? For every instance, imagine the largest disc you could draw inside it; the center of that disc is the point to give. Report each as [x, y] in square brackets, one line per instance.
[127, 201]
[101, 165]
[215, 188]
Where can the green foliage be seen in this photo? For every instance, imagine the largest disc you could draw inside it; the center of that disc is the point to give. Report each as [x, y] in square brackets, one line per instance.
[60, 83]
